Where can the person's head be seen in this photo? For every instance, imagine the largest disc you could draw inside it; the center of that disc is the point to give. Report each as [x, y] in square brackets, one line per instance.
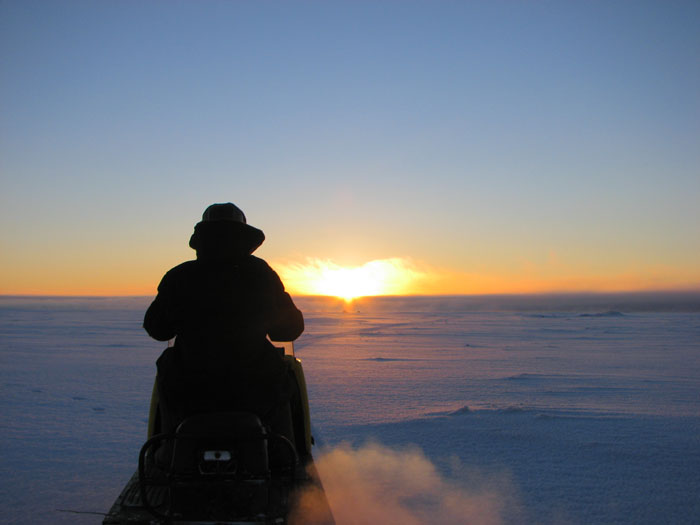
[223, 212]
[224, 232]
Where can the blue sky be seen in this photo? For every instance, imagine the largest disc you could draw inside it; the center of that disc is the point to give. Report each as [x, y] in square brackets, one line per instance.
[550, 143]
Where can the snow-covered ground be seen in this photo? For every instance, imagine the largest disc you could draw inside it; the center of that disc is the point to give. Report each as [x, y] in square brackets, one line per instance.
[443, 410]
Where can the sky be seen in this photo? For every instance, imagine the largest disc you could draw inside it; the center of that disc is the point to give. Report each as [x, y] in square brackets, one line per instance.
[459, 147]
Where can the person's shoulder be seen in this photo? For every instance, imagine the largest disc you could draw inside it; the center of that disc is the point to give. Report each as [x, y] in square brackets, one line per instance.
[181, 269]
[184, 266]
[257, 264]
[259, 268]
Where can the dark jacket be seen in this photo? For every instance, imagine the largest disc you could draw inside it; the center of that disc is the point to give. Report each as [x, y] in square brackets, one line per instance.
[220, 308]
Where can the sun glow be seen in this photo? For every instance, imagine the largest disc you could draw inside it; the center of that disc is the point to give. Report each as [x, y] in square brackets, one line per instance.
[322, 277]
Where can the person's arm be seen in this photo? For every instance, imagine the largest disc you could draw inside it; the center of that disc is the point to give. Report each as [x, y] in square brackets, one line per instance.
[160, 320]
[287, 321]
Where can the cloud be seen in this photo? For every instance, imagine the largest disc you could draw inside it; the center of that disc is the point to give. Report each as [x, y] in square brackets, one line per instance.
[375, 484]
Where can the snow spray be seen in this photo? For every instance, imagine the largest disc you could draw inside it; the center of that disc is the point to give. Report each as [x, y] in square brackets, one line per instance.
[375, 484]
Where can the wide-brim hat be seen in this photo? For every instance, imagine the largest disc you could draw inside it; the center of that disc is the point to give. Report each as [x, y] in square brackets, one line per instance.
[226, 222]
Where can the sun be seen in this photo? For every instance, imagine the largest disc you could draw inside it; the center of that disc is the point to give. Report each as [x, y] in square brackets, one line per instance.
[349, 283]
[323, 277]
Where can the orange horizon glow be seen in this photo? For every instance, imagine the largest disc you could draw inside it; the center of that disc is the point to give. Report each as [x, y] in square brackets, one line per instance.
[544, 291]
[401, 276]
[397, 276]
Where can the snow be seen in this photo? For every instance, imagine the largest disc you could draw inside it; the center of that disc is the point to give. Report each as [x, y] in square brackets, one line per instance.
[508, 410]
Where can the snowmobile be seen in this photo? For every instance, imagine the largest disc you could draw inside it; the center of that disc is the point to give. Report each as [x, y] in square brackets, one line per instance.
[227, 468]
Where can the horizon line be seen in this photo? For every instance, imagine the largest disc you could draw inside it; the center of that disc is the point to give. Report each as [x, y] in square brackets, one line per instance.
[495, 294]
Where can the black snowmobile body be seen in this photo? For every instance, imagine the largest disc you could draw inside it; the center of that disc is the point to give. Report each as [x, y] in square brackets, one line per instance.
[227, 468]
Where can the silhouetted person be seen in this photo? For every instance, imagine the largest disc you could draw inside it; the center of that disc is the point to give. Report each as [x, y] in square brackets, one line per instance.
[220, 308]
